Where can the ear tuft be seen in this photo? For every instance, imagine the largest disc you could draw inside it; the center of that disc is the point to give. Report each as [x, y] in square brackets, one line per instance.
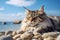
[27, 10]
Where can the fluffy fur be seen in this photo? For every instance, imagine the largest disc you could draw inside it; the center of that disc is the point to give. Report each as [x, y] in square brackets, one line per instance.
[37, 19]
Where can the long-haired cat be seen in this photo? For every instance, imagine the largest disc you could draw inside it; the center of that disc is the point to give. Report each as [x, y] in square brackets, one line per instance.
[36, 19]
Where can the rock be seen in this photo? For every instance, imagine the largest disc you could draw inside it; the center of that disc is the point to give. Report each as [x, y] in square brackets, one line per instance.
[6, 38]
[18, 39]
[40, 39]
[14, 33]
[27, 36]
[37, 37]
[50, 34]
[36, 33]
[17, 22]
[17, 36]
[4, 23]
[58, 38]
[2, 33]
[49, 38]
[20, 32]
[34, 39]
[9, 32]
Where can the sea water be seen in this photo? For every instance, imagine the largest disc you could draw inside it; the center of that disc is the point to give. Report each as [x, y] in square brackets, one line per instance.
[9, 26]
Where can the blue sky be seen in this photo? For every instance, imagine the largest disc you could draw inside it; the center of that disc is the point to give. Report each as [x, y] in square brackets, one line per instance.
[11, 10]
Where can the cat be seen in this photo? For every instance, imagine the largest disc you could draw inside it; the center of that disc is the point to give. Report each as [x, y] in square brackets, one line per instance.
[37, 19]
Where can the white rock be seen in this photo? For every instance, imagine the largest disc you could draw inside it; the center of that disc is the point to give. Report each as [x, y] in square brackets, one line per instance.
[36, 33]
[14, 33]
[20, 32]
[27, 36]
[50, 34]
[17, 36]
[58, 38]
[37, 36]
[34, 39]
[49, 38]
[18, 39]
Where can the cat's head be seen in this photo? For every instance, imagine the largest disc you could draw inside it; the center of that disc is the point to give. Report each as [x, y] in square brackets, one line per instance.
[33, 14]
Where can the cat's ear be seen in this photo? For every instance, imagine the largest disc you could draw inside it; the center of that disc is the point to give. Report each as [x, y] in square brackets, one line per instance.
[41, 9]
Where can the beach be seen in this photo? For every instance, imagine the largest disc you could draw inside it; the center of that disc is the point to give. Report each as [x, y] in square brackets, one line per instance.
[8, 26]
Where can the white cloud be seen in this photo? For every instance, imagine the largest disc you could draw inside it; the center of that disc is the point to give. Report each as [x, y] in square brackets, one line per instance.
[20, 2]
[2, 8]
[11, 16]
